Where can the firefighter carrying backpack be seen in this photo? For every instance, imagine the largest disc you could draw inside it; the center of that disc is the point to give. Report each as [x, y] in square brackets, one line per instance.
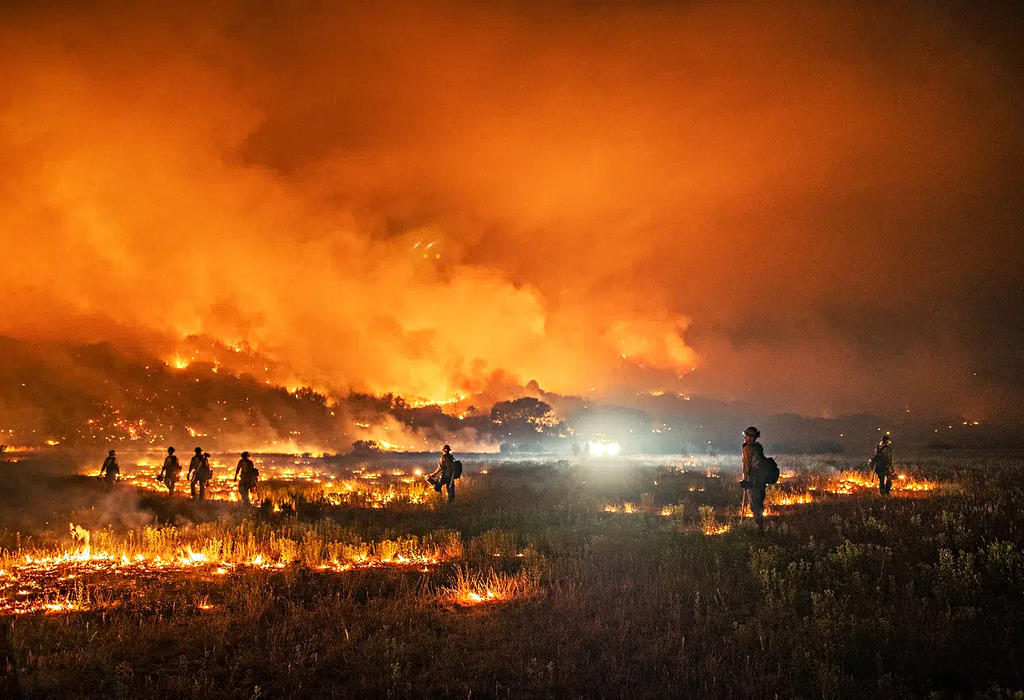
[770, 469]
[457, 471]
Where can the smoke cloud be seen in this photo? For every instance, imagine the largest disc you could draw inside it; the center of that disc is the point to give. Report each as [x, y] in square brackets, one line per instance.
[807, 208]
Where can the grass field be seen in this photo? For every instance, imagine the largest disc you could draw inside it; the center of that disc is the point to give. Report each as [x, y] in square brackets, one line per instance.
[609, 579]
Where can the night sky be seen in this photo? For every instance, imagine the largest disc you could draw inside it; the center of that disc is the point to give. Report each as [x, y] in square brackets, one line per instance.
[811, 207]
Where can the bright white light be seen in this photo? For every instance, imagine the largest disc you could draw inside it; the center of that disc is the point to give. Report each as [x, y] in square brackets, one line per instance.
[604, 449]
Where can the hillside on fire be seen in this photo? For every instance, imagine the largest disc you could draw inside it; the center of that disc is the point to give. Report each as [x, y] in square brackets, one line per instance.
[75, 396]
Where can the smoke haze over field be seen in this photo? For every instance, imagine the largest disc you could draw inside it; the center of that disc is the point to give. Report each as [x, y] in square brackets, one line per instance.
[809, 208]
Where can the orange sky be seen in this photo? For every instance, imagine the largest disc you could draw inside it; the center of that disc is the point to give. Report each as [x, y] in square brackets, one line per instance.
[812, 209]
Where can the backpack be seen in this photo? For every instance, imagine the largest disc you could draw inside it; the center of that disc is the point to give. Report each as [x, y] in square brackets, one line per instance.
[457, 471]
[770, 469]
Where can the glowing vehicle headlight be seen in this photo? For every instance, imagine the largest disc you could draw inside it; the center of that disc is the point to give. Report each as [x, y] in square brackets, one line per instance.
[604, 449]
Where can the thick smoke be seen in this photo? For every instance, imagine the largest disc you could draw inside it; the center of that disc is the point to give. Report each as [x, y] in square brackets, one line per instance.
[803, 207]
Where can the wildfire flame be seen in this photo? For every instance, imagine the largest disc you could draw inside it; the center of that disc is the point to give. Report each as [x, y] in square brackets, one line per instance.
[493, 587]
[718, 529]
[282, 483]
[34, 581]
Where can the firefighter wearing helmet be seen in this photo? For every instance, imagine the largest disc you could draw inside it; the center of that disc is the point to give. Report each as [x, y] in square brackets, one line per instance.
[753, 485]
[199, 474]
[110, 469]
[881, 463]
[448, 470]
[246, 475]
[170, 472]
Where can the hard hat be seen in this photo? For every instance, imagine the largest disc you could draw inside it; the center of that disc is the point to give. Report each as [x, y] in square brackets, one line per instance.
[170, 449]
[199, 450]
[446, 448]
[111, 452]
[752, 432]
[245, 454]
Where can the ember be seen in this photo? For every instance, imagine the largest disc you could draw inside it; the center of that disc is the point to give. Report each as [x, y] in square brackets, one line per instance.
[39, 581]
[493, 587]
[848, 482]
[709, 525]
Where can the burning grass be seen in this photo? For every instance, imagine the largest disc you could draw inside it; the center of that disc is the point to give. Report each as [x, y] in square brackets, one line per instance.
[471, 589]
[709, 524]
[799, 488]
[37, 579]
[532, 587]
[286, 482]
[851, 482]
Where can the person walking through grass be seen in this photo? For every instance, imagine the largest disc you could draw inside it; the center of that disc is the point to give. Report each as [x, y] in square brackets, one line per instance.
[881, 463]
[110, 469]
[248, 473]
[745, 481]
[199, 474]
[754, 481]
[448, 470]
[170, 472]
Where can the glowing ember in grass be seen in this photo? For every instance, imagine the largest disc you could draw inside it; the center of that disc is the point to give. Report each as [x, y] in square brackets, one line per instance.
[716, 529]
[493, 587]
[903, 483]
[792, 499]
[768, 512]
[849, 482]
[709, 524]
[43, 582]
[472, 597]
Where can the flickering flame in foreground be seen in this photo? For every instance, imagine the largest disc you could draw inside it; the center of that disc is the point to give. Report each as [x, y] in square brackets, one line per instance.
[472, 597]
[793, 499]
[633, 508]
[494, 587]
[904, 483]
[768, 512]
[54, 582]
[716, 529]
[709, 524]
